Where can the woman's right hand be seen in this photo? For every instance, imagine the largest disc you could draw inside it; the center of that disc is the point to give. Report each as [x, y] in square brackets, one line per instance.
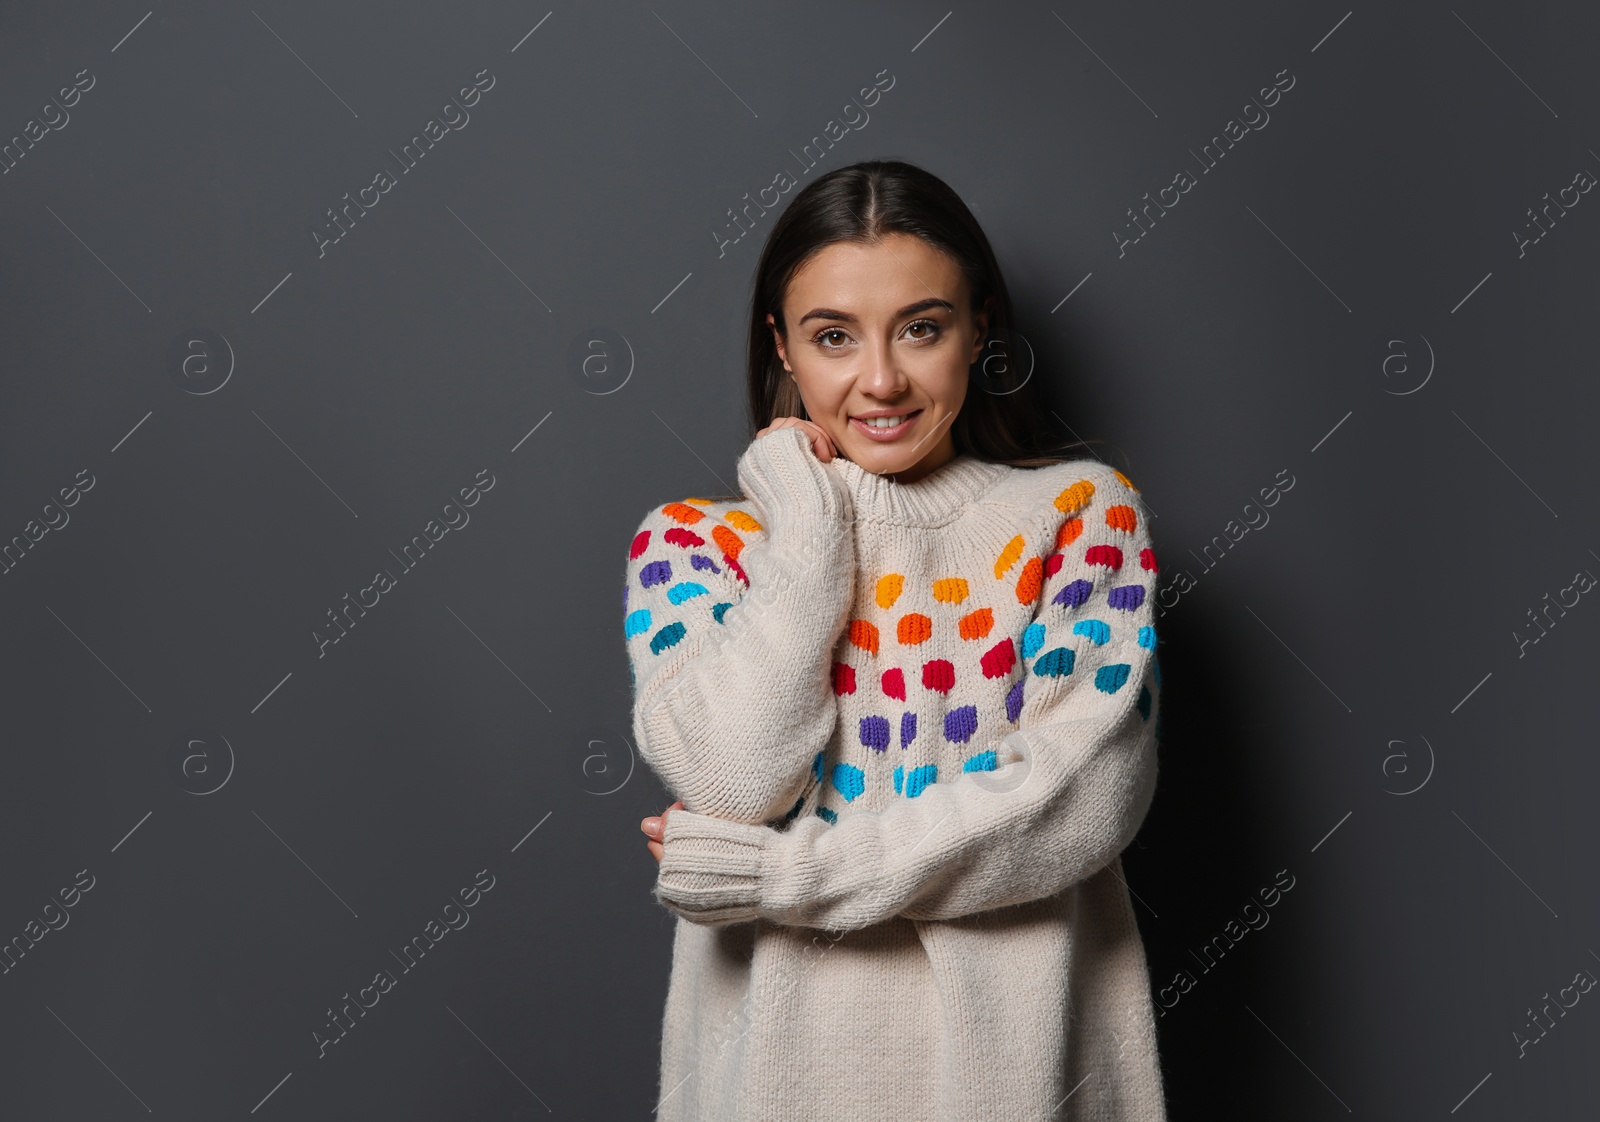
[821, 442]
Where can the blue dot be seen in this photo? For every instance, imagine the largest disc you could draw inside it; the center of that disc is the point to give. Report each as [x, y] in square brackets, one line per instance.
[983, 761]
[685, 590]
[920, 778]
[816, 766]
[1097, 631]
[1144, 702]
[1111, 677]
[1056, 663]
[1147, 638]
[718, 609]
[636, 622]
[828, 816]
[668, 636]
[899, 777]
[850, 781]
[1032, 640]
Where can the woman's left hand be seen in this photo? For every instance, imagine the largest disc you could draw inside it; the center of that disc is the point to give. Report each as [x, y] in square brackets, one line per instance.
[655, 829]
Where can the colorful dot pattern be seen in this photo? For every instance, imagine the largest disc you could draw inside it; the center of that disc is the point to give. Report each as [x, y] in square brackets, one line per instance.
[933, 669]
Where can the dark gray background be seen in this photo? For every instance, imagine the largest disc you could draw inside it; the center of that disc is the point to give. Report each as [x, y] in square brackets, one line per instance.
[1363, 643]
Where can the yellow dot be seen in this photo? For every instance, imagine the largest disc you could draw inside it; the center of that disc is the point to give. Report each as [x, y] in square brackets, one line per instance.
[950, 590]
[1126, 482]
[1009, 555]
[742, 520]
[1075, 498]
[889, 589]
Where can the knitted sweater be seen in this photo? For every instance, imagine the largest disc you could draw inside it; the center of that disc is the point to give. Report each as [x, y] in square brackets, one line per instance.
[913, 726]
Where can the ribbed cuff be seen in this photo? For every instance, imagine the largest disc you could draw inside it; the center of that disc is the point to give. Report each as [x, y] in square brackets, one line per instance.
[782, 474]
[711, 869]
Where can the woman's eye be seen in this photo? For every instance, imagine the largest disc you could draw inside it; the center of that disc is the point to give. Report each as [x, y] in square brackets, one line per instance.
[826, 334]
[931, 329]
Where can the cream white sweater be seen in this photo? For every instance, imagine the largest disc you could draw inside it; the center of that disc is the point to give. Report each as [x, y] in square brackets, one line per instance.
[913, 726]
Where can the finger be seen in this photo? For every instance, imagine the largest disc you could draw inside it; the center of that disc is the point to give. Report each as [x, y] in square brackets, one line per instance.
[827, 442]
[820, 445]
[819, 442]
[655, 849]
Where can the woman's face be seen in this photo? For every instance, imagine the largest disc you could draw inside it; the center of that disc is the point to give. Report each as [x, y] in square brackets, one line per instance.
[882, 330]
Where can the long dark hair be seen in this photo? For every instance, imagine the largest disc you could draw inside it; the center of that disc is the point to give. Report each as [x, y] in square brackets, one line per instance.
[1000, 420]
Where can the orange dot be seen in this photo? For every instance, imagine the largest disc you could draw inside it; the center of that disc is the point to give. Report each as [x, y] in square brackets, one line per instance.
[730, 542]
[1124, 480]
[688, 515]
[1121, 517]
[864, 635]
[1031, 581]
[914, 628]
[699, 502]
[975, 625]
[1070, 529]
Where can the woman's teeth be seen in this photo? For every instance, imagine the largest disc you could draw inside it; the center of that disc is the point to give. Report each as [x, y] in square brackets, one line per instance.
[886, 422]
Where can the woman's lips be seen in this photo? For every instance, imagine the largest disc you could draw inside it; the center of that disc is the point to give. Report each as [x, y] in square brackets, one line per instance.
[872, 432]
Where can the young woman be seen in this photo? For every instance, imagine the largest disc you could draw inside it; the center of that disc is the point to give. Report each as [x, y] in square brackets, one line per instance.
[905, 690]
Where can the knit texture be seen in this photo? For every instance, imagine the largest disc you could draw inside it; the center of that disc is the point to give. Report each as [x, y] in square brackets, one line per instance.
[913, 726]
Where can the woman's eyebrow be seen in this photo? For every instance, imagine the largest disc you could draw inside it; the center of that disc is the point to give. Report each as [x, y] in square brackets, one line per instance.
[909, 309]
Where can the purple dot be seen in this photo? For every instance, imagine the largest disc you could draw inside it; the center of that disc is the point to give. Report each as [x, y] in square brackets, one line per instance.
[960, 724]
[657, 572]
[703, 563]
[908, 728]
[1073, 594]
[1127, 596]
[875, 733]
[1014, 702]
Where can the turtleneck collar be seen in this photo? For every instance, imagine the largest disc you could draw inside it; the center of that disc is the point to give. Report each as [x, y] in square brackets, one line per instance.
[934, 500]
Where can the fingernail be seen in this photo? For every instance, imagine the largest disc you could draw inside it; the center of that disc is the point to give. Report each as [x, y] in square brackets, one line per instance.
[652, 825]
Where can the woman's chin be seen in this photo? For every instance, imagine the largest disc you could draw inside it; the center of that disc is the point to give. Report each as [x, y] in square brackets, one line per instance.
[883, 459]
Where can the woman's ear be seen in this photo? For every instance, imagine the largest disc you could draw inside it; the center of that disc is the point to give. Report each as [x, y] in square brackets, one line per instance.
[777, 341]
[980, 323]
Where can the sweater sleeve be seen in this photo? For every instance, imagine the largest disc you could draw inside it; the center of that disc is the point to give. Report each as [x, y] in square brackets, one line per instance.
[732, 614]
[1069, 789]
